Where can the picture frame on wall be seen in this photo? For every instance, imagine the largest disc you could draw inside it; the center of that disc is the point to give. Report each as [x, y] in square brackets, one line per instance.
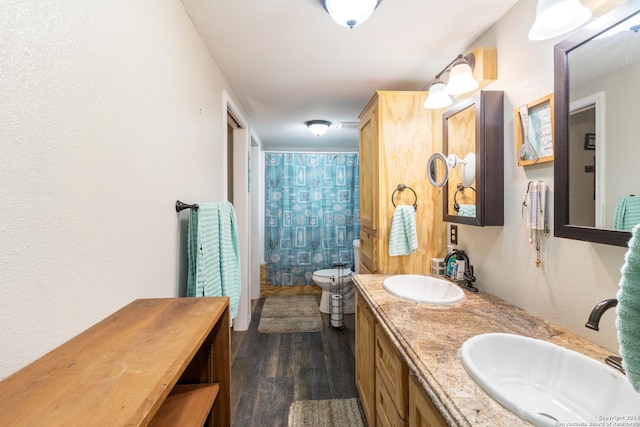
[589, 141]
[534, 131]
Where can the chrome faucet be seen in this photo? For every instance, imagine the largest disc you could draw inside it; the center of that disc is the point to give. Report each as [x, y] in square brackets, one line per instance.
[594, 321]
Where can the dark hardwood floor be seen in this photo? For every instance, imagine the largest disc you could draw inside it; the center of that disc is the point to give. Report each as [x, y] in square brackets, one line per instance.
[271, 371]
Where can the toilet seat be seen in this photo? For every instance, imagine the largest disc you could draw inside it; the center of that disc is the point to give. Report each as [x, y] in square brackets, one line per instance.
[328, 273]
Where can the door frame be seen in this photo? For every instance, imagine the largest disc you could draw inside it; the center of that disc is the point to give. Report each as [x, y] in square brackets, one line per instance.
[241, 201]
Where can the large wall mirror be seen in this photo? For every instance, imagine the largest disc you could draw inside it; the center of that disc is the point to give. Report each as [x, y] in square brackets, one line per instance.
[597, 129]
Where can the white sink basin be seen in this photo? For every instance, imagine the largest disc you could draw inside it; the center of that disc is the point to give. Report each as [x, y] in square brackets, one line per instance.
[542, 382]
[414, 287]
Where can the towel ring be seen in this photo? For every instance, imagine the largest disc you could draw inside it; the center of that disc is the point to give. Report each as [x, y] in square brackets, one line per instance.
[402, 187]
[459, 188]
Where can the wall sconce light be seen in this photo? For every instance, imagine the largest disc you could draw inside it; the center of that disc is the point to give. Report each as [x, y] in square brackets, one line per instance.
[556, 17]
[460, 81]
[437, 98]
[350, 13]
[318, 127]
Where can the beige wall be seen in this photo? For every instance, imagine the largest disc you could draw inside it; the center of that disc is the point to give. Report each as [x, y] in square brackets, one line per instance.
[574, 275]
[110, 111]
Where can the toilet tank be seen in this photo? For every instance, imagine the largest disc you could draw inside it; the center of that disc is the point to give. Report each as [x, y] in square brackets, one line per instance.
[356, 256]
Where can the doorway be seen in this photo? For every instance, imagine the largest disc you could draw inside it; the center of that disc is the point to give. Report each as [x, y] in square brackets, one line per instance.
[587, 167]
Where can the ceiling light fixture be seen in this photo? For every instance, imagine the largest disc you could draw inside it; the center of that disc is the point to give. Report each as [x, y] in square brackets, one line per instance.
[557, 17]
[350, 13]
[318, 127]
[460, 81]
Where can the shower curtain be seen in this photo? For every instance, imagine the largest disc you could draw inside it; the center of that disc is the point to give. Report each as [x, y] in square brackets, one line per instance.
[312, 214]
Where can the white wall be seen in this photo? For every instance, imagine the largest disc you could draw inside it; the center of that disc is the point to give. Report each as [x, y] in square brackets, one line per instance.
[574, 275]
[110, 111]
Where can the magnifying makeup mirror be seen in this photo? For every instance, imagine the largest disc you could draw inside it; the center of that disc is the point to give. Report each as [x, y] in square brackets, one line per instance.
[438, 168]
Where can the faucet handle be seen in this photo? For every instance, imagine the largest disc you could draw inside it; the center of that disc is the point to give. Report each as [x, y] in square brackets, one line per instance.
[472, 277]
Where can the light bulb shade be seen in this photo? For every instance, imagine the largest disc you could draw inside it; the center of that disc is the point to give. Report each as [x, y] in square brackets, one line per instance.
[318, 127]
[350, 13]
[437, 97]
[557, 17]
[461, 79]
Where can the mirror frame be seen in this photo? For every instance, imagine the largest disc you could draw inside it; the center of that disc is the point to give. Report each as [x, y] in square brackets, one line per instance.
[561, 227]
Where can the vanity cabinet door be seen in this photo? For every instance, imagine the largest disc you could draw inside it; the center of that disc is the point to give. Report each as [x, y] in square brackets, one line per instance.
[365, 362]
[386, 411]
[393, 373]
[422, 411]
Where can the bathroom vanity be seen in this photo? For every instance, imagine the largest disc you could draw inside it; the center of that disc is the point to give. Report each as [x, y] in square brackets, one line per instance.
[408, 368]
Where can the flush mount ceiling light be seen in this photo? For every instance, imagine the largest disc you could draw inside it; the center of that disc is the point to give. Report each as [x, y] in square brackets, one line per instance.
[350, 13]
[556, 17]
[460, 81]
[318, 127]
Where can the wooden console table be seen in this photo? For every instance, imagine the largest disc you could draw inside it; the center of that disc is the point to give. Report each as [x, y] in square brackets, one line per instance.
[157, 362]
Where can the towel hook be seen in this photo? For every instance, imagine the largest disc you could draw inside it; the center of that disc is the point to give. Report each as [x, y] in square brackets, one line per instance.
[402, 187]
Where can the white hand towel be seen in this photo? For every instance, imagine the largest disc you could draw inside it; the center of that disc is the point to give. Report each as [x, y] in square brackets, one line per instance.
[536, 205]
[403, 239]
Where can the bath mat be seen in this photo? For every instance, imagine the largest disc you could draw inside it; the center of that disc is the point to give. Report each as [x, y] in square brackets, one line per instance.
[326, 413]
[287, 314]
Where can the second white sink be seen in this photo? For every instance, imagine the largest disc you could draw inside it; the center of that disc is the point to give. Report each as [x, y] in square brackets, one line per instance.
[427, 289]
[549, 385]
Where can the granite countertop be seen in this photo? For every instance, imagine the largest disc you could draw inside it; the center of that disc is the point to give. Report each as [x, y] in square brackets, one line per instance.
[429, 337]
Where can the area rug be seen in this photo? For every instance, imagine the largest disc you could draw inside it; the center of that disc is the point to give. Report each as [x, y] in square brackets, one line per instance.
[288, 314]
[326, 413]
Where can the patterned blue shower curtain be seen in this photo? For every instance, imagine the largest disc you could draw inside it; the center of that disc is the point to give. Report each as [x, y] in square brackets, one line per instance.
[312, 214]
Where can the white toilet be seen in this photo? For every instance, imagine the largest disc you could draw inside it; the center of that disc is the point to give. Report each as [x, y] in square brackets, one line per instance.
[331, 277]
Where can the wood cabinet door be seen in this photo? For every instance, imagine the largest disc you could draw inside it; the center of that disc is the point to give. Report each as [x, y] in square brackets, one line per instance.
[368, 250]
[365, 352]
[422, 411]
[369, 168]
[393, 372]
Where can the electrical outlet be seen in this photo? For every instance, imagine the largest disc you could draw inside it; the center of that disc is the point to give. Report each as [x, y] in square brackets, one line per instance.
[453, 234]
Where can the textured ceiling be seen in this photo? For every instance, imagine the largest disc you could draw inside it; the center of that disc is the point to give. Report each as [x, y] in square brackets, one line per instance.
[289, 62]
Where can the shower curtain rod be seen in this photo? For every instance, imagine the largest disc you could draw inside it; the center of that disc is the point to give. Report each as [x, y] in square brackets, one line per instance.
[182, 206]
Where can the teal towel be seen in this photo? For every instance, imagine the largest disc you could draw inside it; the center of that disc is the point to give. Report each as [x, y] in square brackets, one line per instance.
[467, 210]
[627, 213]
[213, 253]
[203, 246]
[403, 238]
[628, 311]
[230, 272]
